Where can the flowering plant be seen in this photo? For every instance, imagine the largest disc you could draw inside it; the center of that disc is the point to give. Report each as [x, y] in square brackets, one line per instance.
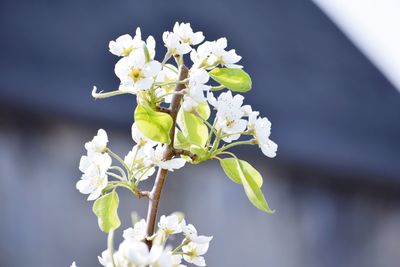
[172, 126]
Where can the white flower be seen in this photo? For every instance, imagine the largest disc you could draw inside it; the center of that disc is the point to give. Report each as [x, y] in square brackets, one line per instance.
[198, 76]
[135, 73]
[171, 165]
[120, 258]
[161, 258]
[195, 93]
[170, 224]
[94, 179]
[139, 162]
[151, 46]
[194, 96]
[94, 166]
[220, 56]
[227, 100]
[211, 54]
[134, 253]
[191, 234]
[190, 102]
[166, 259]
[140, 138]
[200, 56]
[262, 131]
[193, 253]
[98, 144]
[174, 45]
[168, 74]
[105, 258]
[138, 232]
[100, 159]
[125, 44]
[186, 34]
[248, 111]
[229, 114]
[176, 261]
[73, 264]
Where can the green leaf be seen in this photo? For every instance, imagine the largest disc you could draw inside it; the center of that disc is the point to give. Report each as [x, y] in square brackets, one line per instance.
[106, 208]
[231, 168]
[203, 109]
[241, 172]
[200, 152]
[236, 80]
[252, 190]
[153, 124]
[181, 141]
[193, 128]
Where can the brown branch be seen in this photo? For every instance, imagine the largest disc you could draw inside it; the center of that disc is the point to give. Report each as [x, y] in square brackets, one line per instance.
[163, 109]
[168, 153]
[178, 152]
[141, 194]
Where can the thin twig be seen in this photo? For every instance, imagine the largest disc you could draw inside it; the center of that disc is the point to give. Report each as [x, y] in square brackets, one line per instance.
[155, 193]
[143, 194]
[163, 109]
[179, 152]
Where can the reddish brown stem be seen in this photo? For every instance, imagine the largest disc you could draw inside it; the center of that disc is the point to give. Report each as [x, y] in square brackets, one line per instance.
[169, 152]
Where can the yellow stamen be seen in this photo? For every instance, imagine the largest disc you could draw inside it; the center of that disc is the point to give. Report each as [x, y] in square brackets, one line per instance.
[126, 51]
[136, 74]
[230, 123]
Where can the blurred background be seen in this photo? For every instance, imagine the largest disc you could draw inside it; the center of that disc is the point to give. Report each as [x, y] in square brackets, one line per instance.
[327, 84]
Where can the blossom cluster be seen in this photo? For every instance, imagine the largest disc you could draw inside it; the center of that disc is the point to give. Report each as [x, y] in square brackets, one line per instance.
[140, 163]
[153, 77]
[229, 118]
[138, 73]
[94, 166]
[168, 137]
[133, 250]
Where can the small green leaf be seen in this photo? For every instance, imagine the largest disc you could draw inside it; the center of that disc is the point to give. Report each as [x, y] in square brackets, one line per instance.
[254, 193]
[200, 152]
[236, 80]
[203, 109]
[153, 124]
[242, 172]
[106, 208]
[193, 128]
[181, 141]
[231, 168]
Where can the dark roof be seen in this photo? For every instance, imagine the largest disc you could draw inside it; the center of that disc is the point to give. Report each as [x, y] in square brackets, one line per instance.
[328, 104]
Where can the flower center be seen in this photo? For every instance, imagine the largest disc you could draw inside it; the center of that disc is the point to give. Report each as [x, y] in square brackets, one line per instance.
[192, 254]
[99, 182]
[136, 74]
[126, 51]
[168, 231]
[230, 122]
[186, 40]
